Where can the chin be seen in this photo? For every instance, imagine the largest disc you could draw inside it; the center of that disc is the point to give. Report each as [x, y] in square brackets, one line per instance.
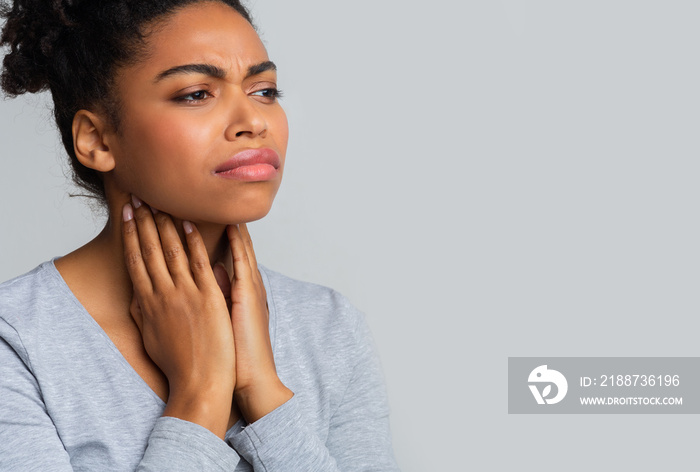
[249, 218]
[237, 215]
[218, 209]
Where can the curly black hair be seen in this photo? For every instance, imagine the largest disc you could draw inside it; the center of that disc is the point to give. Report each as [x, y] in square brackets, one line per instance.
[73, 48]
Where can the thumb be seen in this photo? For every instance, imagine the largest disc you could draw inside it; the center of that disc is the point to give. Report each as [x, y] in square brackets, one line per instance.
[224, 282]
[136, 314]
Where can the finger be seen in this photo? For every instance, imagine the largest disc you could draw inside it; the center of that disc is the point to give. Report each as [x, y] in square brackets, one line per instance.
[241, 263]
[151, 249]
[222, 279]
[173, 252]
[199, 259]
[132, 252]
[224, 282]
[248, 241]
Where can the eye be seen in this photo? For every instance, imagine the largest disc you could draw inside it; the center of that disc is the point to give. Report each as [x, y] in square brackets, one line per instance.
[270, 94]
[194, 97]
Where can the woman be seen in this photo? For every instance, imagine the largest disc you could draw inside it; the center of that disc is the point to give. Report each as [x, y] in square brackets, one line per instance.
[160, 344]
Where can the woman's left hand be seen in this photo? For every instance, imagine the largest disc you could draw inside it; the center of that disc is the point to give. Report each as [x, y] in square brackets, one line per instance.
[258, 389]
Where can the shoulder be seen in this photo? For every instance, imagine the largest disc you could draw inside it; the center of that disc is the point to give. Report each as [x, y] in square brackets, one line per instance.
[35, 290]
[16, 298]
[30, 304]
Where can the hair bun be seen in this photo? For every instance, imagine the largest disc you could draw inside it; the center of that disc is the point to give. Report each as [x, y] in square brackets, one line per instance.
[32, 30]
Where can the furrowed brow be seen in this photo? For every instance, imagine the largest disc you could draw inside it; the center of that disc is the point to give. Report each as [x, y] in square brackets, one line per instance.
[206, 69]
[260, 68]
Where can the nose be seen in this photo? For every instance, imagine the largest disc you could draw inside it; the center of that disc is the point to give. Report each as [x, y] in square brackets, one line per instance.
[245, 119]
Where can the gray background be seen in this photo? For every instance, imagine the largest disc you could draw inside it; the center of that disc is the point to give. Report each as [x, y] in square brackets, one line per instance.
[484, 179]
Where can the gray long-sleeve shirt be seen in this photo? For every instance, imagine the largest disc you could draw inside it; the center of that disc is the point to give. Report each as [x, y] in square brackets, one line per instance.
[70, 401]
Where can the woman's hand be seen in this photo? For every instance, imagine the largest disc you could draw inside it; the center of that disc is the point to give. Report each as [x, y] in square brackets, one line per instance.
[182, 315]
[258, 388]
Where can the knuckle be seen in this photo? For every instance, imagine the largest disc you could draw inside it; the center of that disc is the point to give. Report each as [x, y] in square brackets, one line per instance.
[149, 249]
[133, 258]
[240, 257]
[172, 253]
[199, 265]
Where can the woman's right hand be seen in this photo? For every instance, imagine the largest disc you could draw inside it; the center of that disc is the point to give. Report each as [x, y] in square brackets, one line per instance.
[182, 315]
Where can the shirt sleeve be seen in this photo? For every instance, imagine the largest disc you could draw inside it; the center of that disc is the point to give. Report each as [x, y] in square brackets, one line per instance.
[359, 437]
[177, 445]
[29, 439]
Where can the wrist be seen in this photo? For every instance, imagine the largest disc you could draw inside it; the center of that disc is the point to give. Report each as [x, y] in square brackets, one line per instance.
[207, 406]
[256, 401]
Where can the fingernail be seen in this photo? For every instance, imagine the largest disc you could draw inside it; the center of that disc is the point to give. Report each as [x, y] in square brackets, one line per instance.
[153, 210]
[187, 226]
[128, 213]
[137, 202]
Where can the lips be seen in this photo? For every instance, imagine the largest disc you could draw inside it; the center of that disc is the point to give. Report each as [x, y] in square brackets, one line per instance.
[252, 165]
[250, 157]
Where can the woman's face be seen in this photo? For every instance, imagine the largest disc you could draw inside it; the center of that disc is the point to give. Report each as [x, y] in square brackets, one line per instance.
[201, 136]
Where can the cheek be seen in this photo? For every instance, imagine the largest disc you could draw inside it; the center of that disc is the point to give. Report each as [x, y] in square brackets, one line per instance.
[157, 148]
[169, 138]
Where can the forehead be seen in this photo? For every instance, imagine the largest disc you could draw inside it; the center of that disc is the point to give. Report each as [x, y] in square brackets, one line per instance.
[204, 32]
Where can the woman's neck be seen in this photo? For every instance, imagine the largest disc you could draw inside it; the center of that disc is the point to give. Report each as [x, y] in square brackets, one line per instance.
[97, 273]
[213, 235]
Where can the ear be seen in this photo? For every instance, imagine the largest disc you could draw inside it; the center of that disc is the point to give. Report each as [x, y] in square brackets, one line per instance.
[91, 136]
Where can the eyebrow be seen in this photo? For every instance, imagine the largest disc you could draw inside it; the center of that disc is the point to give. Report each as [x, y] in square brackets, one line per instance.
[212, 70]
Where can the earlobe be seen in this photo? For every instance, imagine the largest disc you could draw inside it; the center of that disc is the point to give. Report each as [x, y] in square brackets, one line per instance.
[90, 133]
